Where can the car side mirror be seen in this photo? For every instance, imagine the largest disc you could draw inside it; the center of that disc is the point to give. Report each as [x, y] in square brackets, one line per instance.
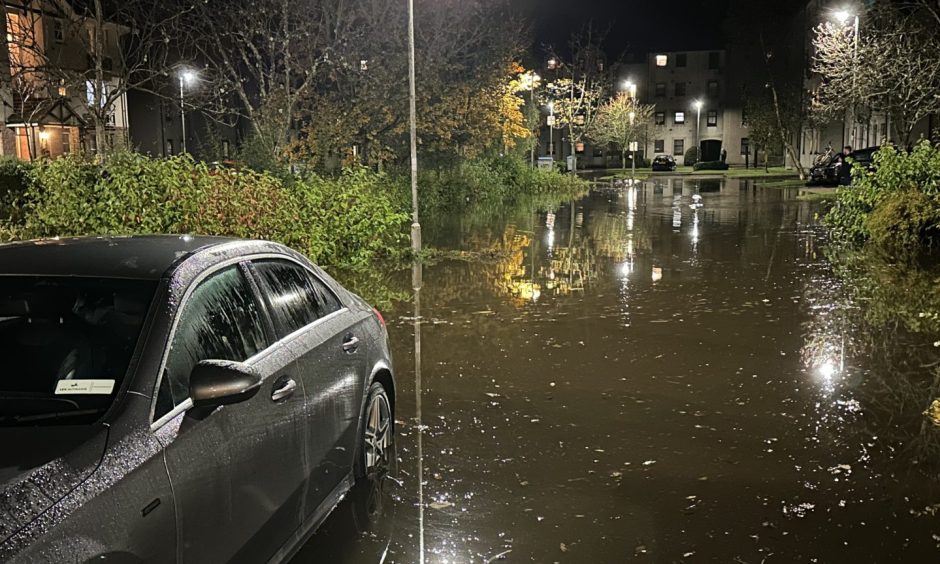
[222, 382]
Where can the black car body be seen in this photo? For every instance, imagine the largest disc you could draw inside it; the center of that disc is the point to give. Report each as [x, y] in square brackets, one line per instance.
[664, 163]
[233, 384]
[832, 173]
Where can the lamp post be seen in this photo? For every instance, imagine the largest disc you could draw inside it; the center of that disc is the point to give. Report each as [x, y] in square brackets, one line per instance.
[413, 133]
[633, 145]
[630, 88]
[698, 127]
[530, 82]
[551, 130]
[842, 17]
[186, 77]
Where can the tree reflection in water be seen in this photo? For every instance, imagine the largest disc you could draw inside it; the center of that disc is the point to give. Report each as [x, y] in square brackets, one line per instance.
[879, 313]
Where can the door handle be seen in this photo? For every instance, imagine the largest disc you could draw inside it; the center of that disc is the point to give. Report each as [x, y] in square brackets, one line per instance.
[283, 389]
[350, 344]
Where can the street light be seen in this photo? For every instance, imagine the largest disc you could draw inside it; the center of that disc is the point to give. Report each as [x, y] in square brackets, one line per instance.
[630, 87]
[698, 126]
[186, 77]
[842, 17]
[551, 129]
[530, 81]
[633, 145]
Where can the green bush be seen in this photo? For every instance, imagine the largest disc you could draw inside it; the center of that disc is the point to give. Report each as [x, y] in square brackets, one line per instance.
[502, 179]
[13, 179]
[346, 221]
[691, 156]
[710, 165]
[897, 203]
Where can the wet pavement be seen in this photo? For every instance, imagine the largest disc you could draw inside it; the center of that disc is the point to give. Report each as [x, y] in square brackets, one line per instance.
[646, 375]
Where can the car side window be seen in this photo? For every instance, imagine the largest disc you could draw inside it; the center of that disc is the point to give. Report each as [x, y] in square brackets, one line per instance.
[297, 297]
[219, 321]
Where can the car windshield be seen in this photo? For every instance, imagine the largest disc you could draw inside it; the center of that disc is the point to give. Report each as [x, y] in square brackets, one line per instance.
[66, 343]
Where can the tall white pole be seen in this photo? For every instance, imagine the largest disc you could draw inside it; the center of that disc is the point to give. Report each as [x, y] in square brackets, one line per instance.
[183, 114]
[415, 225]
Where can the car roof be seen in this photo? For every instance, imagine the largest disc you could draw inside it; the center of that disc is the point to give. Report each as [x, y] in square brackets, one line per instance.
[138, 257]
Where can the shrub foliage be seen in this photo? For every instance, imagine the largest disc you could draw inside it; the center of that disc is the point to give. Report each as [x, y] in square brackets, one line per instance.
[897, 204]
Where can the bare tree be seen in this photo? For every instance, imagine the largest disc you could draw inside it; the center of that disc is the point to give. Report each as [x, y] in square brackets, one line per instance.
[891, 68]
[100, 50]
[262, 59]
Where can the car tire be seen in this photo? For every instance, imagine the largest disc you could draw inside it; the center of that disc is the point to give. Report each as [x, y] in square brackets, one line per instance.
[375, 447]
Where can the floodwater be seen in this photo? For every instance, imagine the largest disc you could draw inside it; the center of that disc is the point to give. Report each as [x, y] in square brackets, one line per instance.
[634, 377]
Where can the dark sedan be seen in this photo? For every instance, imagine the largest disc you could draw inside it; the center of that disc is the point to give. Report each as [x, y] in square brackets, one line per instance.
[181, 399]
[664, 163]
[838, 168]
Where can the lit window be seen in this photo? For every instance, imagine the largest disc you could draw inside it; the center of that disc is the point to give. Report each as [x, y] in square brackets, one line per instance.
[662, 60]
[679, 117]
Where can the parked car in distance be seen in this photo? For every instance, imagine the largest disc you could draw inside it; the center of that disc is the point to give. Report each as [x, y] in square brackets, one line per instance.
[664, 163]
[829, 172]
[185, 399]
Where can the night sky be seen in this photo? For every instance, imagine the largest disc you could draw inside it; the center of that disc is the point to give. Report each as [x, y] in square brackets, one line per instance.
[635, 25]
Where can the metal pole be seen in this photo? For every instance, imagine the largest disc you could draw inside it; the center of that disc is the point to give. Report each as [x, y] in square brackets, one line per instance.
[415, 225]
[551, 132]
[529, 112]
[698, 132]
[183, 114]
[854, 80]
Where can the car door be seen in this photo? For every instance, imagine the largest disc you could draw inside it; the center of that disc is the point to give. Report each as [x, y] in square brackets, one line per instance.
[330, 360]
[237, 471]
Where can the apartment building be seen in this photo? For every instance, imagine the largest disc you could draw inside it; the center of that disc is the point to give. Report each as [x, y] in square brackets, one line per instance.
[694, 107]
[44, 110]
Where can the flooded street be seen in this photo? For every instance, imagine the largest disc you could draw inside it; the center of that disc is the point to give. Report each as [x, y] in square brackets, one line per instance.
[637, 376]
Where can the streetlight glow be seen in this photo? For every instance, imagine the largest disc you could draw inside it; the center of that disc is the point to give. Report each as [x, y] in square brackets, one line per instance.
[698, 104]
[842, 16]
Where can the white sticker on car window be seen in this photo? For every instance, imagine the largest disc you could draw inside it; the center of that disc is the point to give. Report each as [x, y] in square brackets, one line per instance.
[98, 387]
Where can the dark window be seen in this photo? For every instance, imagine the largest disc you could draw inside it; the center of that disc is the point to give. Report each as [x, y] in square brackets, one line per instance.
[714, 60]
[169, 147]
[745, 146]
[681, 59]
[297, 297]
[678, 147]
[744, 117]
[679, 118]
[659, 146]
[58, 33]
[713, 89]
[680, 89]
[219, 321]
[712, 118]
[66, 344]
[660, 89]
[660, 118]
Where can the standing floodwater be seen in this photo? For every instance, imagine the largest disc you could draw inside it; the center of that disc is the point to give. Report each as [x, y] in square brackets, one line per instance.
[647, 375]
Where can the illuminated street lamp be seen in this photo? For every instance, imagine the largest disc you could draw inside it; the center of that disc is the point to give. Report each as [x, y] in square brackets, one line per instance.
[551, 129]
[633, 147]
[530, 81]
[698, 126]
[187, 77]
[630, 88]
[842, 17]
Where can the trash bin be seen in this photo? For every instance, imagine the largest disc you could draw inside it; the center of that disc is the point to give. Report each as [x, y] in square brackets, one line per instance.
[546, 163]
[570, 161]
